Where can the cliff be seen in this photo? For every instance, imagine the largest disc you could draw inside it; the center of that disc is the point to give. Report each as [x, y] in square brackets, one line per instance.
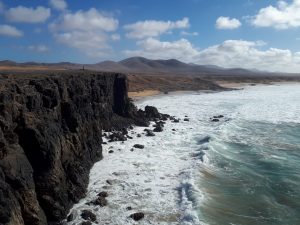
[50, 136]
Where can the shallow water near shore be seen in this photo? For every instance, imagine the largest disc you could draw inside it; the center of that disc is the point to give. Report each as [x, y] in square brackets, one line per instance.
[241, 170]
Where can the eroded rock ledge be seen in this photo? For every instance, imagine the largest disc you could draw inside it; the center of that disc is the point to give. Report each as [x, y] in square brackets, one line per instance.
[50, 136]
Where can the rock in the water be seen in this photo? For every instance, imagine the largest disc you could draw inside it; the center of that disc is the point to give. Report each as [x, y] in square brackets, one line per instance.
[88, 215]
[158, 128]
[70, 217]
[186, 119]
[215, 120]
[110, 151]
[117, 136]
[128, 208]
[101, 201]
[139, 146]
[219, 117]
[137, 216]
[86, 223]
[149, 133]
[139, 135]
[103, 194]
[110, 182]
[152, 112]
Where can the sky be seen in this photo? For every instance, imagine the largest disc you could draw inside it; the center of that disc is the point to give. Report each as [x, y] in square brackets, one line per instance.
[253, 34]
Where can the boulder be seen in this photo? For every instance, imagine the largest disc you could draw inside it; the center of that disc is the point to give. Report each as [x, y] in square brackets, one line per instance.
[88, 215]
[101, 201]
[103, 194]
[137, 216]
[139, 146]
[152, 112]
[149, 133]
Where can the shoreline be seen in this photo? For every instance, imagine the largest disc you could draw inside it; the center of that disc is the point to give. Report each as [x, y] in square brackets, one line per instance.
[138, 96]
[147, 180]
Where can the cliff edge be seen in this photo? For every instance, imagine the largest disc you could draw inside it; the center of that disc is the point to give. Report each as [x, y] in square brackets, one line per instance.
[50, 136]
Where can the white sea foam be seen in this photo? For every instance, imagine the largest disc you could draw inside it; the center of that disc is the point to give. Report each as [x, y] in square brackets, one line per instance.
[161, 179]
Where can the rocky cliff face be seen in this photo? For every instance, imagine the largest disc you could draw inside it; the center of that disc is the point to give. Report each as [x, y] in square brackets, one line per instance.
[50, 136]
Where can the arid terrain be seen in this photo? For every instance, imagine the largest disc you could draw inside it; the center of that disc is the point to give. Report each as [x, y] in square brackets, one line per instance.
[151, 77]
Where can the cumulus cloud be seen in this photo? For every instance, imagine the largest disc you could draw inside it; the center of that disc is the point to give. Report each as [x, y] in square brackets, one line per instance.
[10, 31]
[226, 23]
[282, 16]
[87, 31]
[248, 54]
[38, 48]
[154, 28]
[28, 15]
[156, 49]
[91, 43]
[85, 21]
[59, 4]
[229, 54]
[115, 37]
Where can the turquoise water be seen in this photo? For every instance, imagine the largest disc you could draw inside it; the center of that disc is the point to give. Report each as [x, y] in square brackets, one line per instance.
[254, 175]
[252, 171]
[245, 169]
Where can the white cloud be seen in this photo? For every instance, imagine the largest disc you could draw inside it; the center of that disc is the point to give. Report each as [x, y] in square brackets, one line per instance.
[230, 54]
[59, 4]
[185, 33]
[154, 28]
[247, 54]
[282, 16]
[10, 31]
[91, 43]
[28, 15]
[155, 49]
[226, 23]
[87, 31]
[85, 21]
[38, 48]
[115, 37]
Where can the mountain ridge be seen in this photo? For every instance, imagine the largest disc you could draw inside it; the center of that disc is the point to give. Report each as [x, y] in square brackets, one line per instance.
[144, 66]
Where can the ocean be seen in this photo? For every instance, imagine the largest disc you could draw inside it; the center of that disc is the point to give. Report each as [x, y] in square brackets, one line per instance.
[243, 169]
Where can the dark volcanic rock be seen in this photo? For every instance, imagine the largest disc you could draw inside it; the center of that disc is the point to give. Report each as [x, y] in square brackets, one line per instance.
[50, 136]
[70, 217]
[139, 146]
[86, 223]
[137, 216]
[149, 133]
[103, 194]
[88, 215]
[117, 136]
[219, 117]
[101, 201]
[152, 112]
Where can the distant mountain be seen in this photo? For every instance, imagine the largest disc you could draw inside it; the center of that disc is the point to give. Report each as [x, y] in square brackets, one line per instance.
[144, 66]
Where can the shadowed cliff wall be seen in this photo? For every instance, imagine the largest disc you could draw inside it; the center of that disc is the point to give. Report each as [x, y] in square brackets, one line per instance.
[50, 136]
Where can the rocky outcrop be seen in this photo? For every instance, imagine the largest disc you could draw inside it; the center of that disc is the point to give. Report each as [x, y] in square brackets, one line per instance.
[50, 136]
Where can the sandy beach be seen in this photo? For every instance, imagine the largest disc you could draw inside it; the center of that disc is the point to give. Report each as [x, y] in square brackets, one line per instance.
[145, 93]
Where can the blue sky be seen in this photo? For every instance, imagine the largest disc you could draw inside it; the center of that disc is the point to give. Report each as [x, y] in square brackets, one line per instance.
[253, 34]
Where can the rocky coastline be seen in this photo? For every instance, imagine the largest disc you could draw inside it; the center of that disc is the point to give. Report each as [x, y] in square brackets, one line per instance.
[51, 135]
